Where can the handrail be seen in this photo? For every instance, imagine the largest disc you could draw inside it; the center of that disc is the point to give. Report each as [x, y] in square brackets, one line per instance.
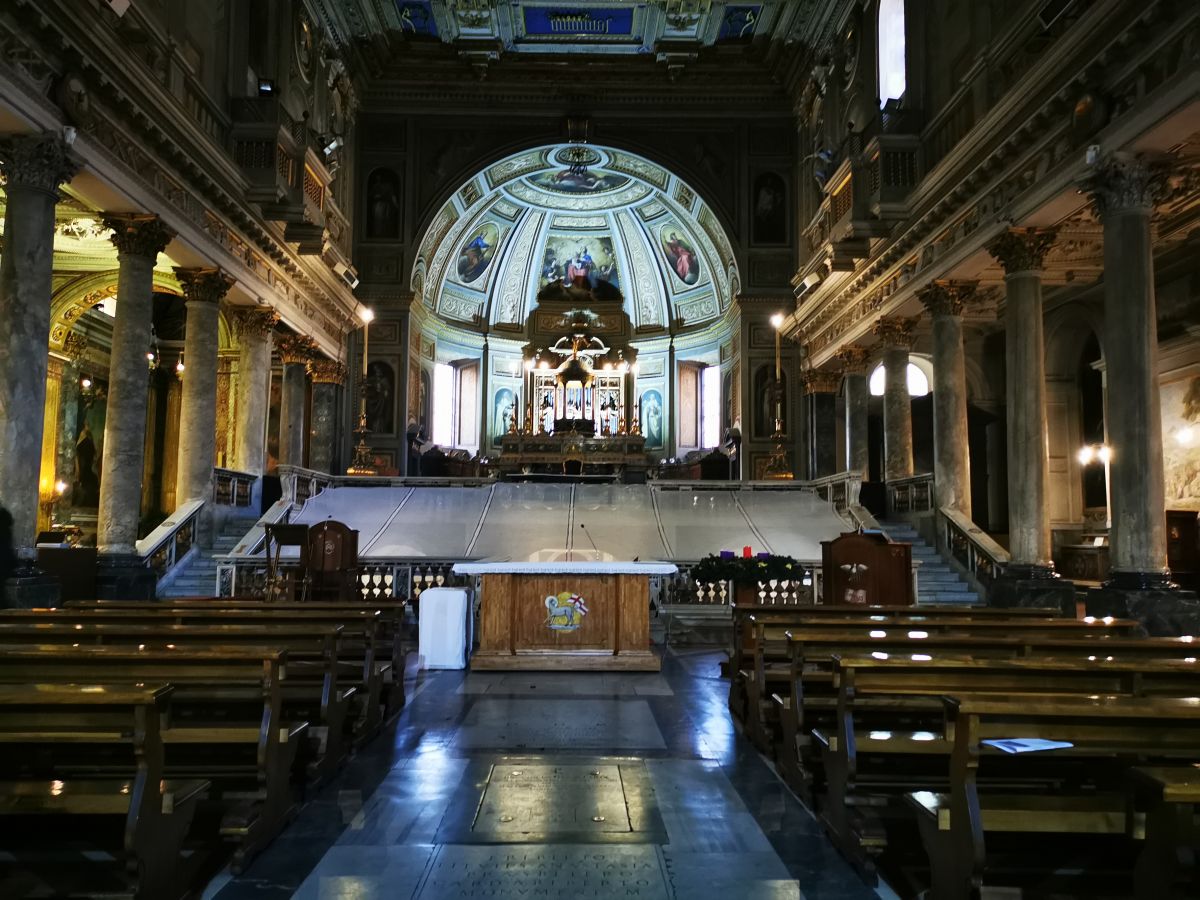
[910, 495]
[970, 546]
[171, 542]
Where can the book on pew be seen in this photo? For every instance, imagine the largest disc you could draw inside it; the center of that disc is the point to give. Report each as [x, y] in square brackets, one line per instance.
[1026, 745]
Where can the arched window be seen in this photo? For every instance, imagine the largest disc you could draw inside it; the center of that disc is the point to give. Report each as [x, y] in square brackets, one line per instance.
[918, 381]
[891, 51]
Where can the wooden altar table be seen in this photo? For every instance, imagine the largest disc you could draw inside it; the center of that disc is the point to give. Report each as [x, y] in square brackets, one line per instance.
[565, 616]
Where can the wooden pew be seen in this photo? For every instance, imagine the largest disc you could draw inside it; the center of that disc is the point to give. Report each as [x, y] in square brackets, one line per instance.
[809, 699]
[49, 799]
[1105, 734]
[888, 735]
[767, 683]
[311, 692]
[391, 640]
[360, 629]
[1169, 799]
[227, 725]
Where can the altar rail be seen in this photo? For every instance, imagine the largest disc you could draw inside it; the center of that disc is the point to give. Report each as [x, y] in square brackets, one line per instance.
[842, 490]
[910, 495]
[173, 541]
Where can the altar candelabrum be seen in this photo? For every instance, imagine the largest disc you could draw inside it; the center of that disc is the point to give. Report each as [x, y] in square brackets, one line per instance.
[364, 459]
[778, 466]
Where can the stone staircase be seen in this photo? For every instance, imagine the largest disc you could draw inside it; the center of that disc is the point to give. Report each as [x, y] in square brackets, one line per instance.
[199, 577]
[938, 584]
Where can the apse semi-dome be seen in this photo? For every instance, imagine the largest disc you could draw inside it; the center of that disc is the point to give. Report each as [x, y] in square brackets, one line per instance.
[570, 212]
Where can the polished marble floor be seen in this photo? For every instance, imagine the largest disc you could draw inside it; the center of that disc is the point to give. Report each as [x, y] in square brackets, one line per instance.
[559, 786]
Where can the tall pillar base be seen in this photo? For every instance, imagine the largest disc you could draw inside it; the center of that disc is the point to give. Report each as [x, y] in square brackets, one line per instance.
[30, 588]
[1032, 587]
[1151, 598]
[122, 577]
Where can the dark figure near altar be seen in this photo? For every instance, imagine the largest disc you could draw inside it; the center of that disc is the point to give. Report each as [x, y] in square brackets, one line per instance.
[85, 491]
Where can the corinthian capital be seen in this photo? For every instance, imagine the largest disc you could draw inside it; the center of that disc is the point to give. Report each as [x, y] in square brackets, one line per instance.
[1022, 249]
[896, 331]
[853, 359]
[947, 298]
[254, 322]
[296, 348]
[818, 381]
[138, 234]
[204, 285]
[1122, 182]
[40, 161]
[326, 371]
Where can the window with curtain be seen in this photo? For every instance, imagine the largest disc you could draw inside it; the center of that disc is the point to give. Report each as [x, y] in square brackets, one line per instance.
[443, 405]
[892, 80]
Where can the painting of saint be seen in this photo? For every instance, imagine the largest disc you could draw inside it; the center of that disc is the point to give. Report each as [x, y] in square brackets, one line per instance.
[583, 262]
[680, 254]
[652, 419]
[504, 410]
[770, 210]
[610, 412]
[381, 394]
[546, 411]
[566, 181]
[477, 252]
[383, 205]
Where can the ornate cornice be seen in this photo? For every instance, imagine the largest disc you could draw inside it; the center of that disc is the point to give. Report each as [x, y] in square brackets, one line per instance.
[38, 161]
[296, 349]
[821, 381]
[896, 332]
[204, 285]
[326, 371]
[1122, 182]
[138, 234]
[1022, 249]
[947, 298]
[254, 322]
[852, 360]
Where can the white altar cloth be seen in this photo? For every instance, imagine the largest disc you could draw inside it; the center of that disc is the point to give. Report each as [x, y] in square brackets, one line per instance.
[445, 631]
[583, 567]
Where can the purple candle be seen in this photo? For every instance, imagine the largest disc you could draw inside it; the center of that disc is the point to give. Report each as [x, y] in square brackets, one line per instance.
[726, 554]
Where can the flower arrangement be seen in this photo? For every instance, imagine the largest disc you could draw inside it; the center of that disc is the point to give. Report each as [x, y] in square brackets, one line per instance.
[749, 570]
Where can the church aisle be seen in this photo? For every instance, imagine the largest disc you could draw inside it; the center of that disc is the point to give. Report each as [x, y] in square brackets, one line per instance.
[510, 785]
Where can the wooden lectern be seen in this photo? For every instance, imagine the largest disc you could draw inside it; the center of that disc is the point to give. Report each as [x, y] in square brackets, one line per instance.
[867, 570]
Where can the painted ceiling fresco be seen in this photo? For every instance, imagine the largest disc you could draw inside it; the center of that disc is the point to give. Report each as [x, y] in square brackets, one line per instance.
[592, 217]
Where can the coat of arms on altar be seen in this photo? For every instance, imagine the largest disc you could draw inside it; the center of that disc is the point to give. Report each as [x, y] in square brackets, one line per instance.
[565, 612]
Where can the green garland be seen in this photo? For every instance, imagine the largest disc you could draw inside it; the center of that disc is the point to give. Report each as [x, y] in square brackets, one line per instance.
[746, 570]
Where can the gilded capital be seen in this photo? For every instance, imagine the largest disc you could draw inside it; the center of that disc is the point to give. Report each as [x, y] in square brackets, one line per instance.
[326, 371]
[818, 381]
[1122, 182]
[947, 298]
[254, 321]
[1022, 249]
[40, 161]
[138, 234]
[896, 331]
[296, 348]
[853, 359]
[204, 285]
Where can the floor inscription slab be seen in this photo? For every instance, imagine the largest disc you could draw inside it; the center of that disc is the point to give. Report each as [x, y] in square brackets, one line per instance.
[550, 871]
[552, 799]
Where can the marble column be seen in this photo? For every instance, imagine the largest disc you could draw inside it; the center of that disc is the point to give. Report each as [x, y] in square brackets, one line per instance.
[820, 397]
[68, 426]
[895, 335]
[1029, 578]
[1020, 252]
[204, 289]
[253, 328]
[138, 239]
[1125, 189]
[853, 362]
[951, 453]
[295, 351]
[327, 376]
[34, 167]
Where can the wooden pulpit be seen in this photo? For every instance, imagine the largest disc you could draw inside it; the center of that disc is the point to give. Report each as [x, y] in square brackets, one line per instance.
[866, 569]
